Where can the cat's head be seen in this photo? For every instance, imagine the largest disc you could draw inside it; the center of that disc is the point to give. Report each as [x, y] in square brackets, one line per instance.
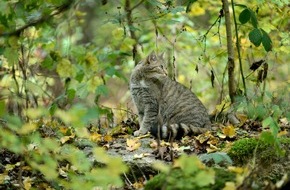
[154, 63]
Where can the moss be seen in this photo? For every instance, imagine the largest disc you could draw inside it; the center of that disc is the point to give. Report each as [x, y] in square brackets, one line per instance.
[244, 149]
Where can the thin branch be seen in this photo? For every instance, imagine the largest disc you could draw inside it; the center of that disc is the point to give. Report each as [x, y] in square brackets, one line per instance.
[238, 49]
[128, 10]
[43, 19]
[137, 5]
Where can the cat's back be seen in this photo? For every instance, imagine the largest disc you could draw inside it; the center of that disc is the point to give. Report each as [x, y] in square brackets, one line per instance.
[180, 105]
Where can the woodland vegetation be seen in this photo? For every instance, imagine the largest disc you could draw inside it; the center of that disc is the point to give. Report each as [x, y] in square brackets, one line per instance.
[64, 98]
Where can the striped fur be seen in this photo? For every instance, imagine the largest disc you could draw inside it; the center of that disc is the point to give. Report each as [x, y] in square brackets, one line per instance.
[165, 104]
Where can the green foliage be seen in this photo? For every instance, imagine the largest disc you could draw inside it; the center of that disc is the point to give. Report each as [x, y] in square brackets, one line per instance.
[256, 35]
[58, 160]
[191, 174]
[59, 58]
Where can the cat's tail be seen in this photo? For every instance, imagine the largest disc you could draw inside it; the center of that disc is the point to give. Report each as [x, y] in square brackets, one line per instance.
[177, 131]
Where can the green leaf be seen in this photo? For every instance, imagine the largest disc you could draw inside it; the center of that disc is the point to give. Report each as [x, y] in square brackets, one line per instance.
[272, 124]
[52, 108]
[2, 108]
[80, 75]
[47, 63]
[71, 94]
[217, 157]
[266, 41]
[245, 16]
[102, 90]
[255, 37]
[204, 178]
[254, 20]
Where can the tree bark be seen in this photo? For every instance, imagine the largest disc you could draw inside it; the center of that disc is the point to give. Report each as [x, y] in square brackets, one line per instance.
[231, 62]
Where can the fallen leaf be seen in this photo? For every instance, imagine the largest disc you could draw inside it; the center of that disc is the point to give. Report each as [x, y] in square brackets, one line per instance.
[95, 137]
[108, 138]
[27, 183]
[67, 138]
[282, 133]
[229, 131]
[133, 144]
[284, 121]
[139, 156]
[212, 148]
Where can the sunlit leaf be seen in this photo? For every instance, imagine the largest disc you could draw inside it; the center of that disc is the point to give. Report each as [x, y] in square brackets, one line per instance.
[133, 144]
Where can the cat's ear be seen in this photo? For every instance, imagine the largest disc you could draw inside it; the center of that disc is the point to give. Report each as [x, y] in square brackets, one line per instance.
[152, 57]
[162, 55]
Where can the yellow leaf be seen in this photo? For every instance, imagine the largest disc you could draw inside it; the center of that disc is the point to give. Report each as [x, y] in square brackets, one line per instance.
[133, 144]
[118, 33]
[65, 69]
[108, 138]
[196, 10]
[229, 131]
[67, 138]
[91, 61]
[230, 186]
[238, 170]
[224, 106]
[212, 148]
[27, 183]
[27, 128]
[93, 83]
[242, 118]
[95, 137]
[127, 44]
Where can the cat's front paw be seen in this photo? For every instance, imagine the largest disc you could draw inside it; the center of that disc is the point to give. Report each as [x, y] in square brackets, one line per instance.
[136, 133]
[139, 133]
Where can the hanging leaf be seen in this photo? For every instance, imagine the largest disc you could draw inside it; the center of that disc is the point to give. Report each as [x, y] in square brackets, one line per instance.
[266, 41]
[257, 64]
[212, 77]
[245, 16]
[255, 37]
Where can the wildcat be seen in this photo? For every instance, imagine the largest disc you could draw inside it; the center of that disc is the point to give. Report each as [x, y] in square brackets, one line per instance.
[165, 107]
